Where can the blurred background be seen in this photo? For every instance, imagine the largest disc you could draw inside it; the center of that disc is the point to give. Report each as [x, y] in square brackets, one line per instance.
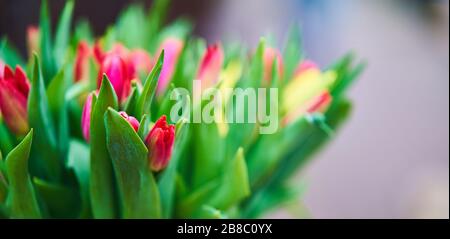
[391, 159]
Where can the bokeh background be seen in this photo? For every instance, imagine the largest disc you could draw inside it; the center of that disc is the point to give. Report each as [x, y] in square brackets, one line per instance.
[391, 159]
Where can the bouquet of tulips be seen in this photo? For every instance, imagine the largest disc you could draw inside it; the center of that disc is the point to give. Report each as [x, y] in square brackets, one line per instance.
[147, 121]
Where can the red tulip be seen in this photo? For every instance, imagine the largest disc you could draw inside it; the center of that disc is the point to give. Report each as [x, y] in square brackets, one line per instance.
[14, 89]
[172, 49]
[82, 61]
[210, 66]
[320, 103]
[133, 121]
[160, 144]
[114, 66]
[270, 54]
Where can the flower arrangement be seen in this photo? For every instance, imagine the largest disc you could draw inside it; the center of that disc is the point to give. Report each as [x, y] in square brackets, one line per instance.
[105, 127]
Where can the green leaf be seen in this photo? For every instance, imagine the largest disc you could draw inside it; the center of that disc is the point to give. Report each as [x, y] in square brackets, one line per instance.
[48, 61]
[240, 134]
[61, 201]
[293, 53]
[127, 32]
[209, 149]
[9, 54]
[3, 183]
[137, 187]
[83, 31]
[6, 140]
[130, 106]
[44, 163]
[102, 189]
[235, 184]
[21, 202]
[226, 190]
[63, 33]
[56, 93]
[79, 161]
[146, 97]
[155, 20]
[167, 179]
[144, 127]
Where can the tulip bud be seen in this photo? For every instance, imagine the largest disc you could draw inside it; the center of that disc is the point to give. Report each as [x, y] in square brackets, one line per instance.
[86, 117]
[116, 69]
[160, 144]
[82, 61]
[270, 54]
[320, 103]
[14, 89]
[172, 49]
[210, 66]
[32, 39]
[133, 121]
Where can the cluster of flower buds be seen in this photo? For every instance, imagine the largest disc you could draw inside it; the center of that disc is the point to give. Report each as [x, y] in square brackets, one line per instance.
[122, 66]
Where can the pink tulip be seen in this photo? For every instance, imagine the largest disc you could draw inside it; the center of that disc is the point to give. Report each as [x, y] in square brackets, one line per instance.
[14, 90]
[160, 144]
[114, 66]
[86, 117]
[172, 49]
[210, 66]
[133, 121]
[139, 61]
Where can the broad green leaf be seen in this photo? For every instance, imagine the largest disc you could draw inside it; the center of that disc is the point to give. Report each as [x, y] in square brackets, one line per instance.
[48, 60]
[146, 97]
[234, 186]
[228, 189]
[56, 93]
[178, 29]
[44, 163]
[63, 33]
[167, 179]
[79, 161]
[61, 201]
[156, 16]
[209, 151]
[21, 202]
[83, 31]
[137, 187]
[127, 32]
[102, 187]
